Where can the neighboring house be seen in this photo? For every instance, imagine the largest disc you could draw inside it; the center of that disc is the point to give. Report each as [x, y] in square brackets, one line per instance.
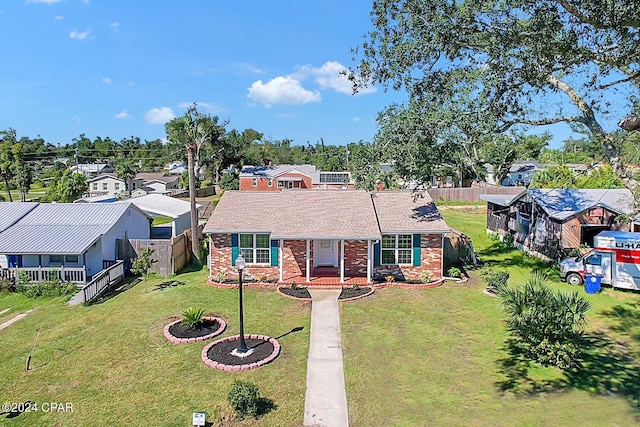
[175, 168]
[160, 205]
[545, 221]
[521, 172]
[274, 178]
[155, 182]
[79, 237]
[294, 235]
[107, 198]
[92, 169]
[106, 184]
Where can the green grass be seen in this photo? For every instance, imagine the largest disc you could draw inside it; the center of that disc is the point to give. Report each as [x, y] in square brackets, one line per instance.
[412, 357]
[113, 363]
[440, 356]
[159, 220]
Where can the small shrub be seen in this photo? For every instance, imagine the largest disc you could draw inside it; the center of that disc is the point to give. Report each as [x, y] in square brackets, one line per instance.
[221, 276]
[6, 286]
[496, 279]
[426, 276]
[389, 278]
[262, 277]
[454, 272]
[293, 286]
[508, 240]
[192, 317]
[244, 397]
[356, 286]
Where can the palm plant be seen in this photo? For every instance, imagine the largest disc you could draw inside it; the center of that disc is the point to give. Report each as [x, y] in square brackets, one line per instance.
[546, 324]
[193, 317]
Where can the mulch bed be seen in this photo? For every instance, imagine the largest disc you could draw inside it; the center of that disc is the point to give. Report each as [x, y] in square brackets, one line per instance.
[299, 293]
[218, 354]
[348, 293]
[221, 352]
[207, 327]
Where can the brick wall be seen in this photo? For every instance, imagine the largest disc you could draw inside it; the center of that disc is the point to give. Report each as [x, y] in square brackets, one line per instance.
[430, 259]
[355, 258]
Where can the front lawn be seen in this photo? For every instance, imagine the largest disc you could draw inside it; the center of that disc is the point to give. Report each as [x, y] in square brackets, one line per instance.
[439, 356]
[112, 362]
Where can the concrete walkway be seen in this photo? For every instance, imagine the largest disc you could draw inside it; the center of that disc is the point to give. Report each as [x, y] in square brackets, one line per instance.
[326, 399]
[14, 319]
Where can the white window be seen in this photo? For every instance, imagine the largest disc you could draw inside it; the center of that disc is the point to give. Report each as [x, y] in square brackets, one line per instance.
[255, 248]
[105, 186]
[280, 184]
[71, 259]
[116, 186]
[396, 249]
[255, 182]
[270, 182]
[95, 185]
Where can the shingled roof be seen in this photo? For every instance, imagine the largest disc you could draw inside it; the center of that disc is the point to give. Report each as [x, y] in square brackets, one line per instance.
[324, 214]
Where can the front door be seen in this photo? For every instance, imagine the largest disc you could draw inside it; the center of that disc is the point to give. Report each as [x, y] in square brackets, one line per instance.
[325, 253]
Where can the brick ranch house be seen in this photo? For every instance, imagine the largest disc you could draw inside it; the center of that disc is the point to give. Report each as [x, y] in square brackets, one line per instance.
[350, 236]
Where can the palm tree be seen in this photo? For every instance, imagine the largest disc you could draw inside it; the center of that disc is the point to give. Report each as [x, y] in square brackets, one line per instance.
[126, 172]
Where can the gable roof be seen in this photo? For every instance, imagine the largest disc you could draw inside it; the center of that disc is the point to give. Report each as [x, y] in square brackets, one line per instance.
[61, 228]
[405, 212]
[273, 171]
[304, 214]
[159, 204]
[11, 212]
[563, 203]
[324, 214]
[157, 176]
[103, 176]
[502, 199]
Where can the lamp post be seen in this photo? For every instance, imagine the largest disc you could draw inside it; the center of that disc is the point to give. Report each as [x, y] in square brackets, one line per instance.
[240, 264]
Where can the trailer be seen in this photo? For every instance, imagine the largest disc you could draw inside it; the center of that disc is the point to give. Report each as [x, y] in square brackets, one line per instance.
[615, 257]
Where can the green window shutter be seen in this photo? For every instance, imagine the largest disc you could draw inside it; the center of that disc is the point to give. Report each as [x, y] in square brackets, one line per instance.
[274, 253]
[235, 250]
[416, 250]
[376, 254]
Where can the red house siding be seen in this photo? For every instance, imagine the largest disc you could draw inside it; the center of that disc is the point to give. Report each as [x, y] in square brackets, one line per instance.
[430, 259]
[355, 260]
[246, 183]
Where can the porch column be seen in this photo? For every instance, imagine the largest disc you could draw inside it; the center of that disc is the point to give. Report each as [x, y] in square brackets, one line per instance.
[281, 259]
[369, 251]
[308, 269]
[342, 261]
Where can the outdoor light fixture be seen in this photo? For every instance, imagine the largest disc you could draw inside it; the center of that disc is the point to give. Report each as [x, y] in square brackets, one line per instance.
[242, 347]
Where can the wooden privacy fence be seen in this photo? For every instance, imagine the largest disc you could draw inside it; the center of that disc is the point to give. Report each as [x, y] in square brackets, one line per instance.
[103, 280]
[200, 192]
[171, 254]
[470, 194]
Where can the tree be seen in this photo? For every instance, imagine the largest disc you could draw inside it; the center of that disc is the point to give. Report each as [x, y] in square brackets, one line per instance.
[546, 324]
[517, 60]
[126, 172]
[69, 187]
[193, 130]
[143, 263]
[7, 158]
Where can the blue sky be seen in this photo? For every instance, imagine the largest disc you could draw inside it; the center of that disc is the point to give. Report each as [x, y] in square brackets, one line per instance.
[123, 68]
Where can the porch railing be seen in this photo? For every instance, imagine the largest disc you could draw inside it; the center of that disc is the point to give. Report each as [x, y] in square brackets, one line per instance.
[41, 274]
[103, 280]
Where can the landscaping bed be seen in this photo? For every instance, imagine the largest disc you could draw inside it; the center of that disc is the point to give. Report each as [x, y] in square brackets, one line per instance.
[176, 332]
[355, 293]
[297, 293]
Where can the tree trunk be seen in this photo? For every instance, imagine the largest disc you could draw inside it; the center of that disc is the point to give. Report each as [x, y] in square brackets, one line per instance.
[195, 239]
[6, 185]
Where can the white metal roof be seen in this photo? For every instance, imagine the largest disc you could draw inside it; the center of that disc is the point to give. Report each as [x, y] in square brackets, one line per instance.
[10, 212]
[159, 204]
[60, 228]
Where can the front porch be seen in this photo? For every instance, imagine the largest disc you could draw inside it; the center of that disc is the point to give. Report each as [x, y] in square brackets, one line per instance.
[325, 277]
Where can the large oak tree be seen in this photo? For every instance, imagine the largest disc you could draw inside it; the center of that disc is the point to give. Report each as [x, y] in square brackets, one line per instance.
[480, 68]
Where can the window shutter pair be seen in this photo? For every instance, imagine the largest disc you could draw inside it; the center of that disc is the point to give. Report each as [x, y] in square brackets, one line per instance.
[235, 250]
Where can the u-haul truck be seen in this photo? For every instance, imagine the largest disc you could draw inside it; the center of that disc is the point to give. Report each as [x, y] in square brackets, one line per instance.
[615, 257]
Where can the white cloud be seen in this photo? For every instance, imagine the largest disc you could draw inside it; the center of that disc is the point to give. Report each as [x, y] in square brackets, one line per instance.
[79, 36]
[282, 90]
[206, 106]
[245, 67]
[106, 80]
[58, 18]
[115, 26]
[356, 119]
[76, 118]
[43, 1]
[331, 75]
[159, 116]
[123, 115]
